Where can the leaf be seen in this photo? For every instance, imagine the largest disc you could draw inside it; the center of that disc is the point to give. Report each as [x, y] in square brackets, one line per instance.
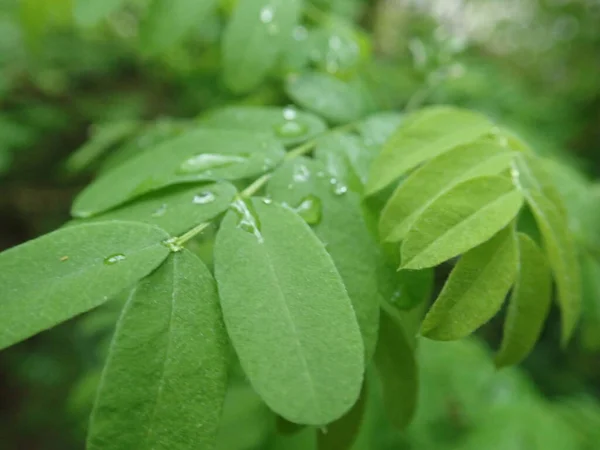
[590, 323]
[435, 178]
[335, 100]
[336, 217]
[289, 125]
[528, 306]
[254, 38]
[305, 439]
[55, 277]
[414, 288]
[475, 289]
[199, 155]
[164, 382]
[88, 13]
[422, 136]
[558, 241]
[295, 311]
[169, 21]
[397, 370]
[176, 209]
[376, 129]
[465, 216]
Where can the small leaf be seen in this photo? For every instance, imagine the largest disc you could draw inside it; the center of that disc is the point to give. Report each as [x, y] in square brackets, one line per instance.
[422, 136]
[254, 38]
[528, 306]
[89, 12]
[199, 155]
[164, 382]
[435, 178]
[341, 227]
[168, 21]
[397, 369]
[326, 95]
[55, 277]
[176, 209]
[295, 311]
[475, 289]
[465, 216]
[288, 124]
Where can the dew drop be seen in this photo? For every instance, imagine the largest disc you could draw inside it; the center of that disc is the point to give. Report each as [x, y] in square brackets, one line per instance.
[310, 209]
[203, 198]
[340, 189]
[267, 200]
[290, 129]
[301, 173]
[203, 162]
[114, 259]
[267, 14]
[247, 218]
[289, 113]
[161, 211]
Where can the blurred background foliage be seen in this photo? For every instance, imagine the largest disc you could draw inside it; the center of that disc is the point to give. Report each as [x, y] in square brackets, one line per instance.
[71, 74]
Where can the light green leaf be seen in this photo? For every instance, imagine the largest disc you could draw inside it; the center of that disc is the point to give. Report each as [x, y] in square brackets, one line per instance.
[422, 136]
[164, 382]
[89, 12]
[254, 38]
[465, 216]
[336, 217]
[528, 306]
[289, 125]
[326, 95]
[435, 178]
[397, 370]
[168, 21]
[475, 289]
[559, 244]
[284, 301]
[176, 209]
[102, 139]
[198, 155]
[55, 277]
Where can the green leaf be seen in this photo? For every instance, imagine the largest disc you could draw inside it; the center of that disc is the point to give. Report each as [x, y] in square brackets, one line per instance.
[168, 21]
[558, 242]
[422, 136]
[397, 370]
[254, 38]
[376, 129]
[289, 125]
[336, 216]
[89, 12]
[176, 209]
[334, 99]
[435, 178]
[295, 311]
[413, 288]
[528, 306]
[475, 289]
[69, 271]
[465, 216]
[305, 439]
[198, 155]
[164, 382]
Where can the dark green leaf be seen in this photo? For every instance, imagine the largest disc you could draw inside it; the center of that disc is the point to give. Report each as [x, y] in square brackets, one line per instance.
[465, 216]
[67, 272]
[198, 155]
[475, 290]
[414, 287]
[305, 439]
[528, 306]
[284, 301]
[90, 12]
[590, 323]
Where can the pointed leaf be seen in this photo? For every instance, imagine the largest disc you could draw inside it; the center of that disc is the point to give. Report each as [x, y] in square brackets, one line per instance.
[435, 178]
[465, 216]
[528, 306]
[90, 12]
[336, 217]
[422, 136]
[69, 271]
[164, 382]
[397, 369]
[326, 95]
[284, 301]
[198, 155]
[168, 21]
[475, 289]
[254, 38]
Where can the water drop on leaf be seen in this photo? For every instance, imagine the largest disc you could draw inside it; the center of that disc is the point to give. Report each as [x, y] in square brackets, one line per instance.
[247, 218]
[161, 211]
[113, 259]
[310, 209]
[290, 129]
[203, 198]
[203, 162]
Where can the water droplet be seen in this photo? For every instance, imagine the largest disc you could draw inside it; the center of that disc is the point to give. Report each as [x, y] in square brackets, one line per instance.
[289, 113]
[290, 128]
[267, 200]
[301, 173]
[203, 162]
[203, 198]
[247, 218]
[340, 189]
[267, 14]
[333, 181]
[113, 259]
[310, 209]
[396, 296]
[161, 211]
[172, 245]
